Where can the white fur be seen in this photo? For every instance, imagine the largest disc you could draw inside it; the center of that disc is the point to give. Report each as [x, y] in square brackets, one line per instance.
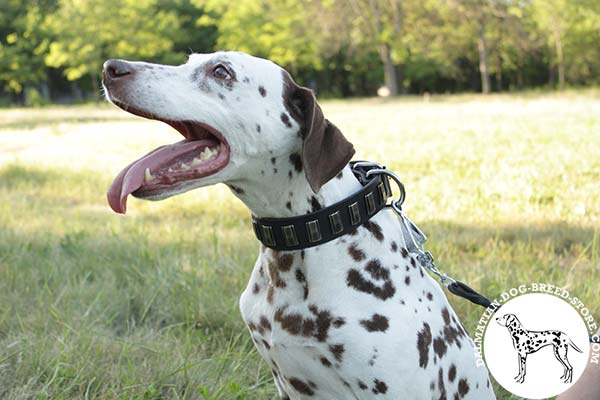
[392, 357]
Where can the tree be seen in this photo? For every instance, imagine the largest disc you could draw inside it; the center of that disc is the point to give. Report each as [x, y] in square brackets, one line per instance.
[23, 43]
[276, 29]
[477, 13]
[87, 32]
[383, 21]
[572, 29]
[552, 17]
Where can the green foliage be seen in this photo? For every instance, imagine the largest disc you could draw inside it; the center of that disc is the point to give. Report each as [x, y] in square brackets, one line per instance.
[23, 42]
[275, 29]
[57, 47]
[90, 31]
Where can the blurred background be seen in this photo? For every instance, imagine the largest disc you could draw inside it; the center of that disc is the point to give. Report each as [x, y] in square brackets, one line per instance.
[489, 111]
[52, 50]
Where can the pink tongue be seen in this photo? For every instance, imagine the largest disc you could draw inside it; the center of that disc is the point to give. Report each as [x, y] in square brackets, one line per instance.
[131, 178]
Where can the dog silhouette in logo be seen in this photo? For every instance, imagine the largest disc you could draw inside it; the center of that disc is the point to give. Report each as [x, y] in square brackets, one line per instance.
[527, 342]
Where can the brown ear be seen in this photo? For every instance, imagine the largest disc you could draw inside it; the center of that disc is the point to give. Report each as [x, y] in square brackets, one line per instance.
[325, 150]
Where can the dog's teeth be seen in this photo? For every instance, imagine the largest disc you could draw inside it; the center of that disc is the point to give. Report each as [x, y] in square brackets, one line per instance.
[185, 167]
[170, 169]
[196, 161]
[205, 155]
[147, 175]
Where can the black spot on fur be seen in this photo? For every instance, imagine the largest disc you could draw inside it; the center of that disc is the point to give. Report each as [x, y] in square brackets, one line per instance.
[221, 96]
[362, 385]
[300, 325]
[283, 261]
[407, 280]
[404, 252]
[394, 247]
[452, 373]
[377, 323]
[325, 362]
[453, 331]
[257, 128]
[338, 351]
[302, 280]
[380, 387]
[288, 205]
[273, 160]
[296, 161]
[276, 279]
[463, 387]
[262, 91]
[340, 175]
[302, 387]
[286, 120]
[441, 384]
[356, 253]
[375, 229]
[237, 190]
[384, 291]
[439, 347]
[314, 204]
[264, 325]
[377, 271]
[423, 343]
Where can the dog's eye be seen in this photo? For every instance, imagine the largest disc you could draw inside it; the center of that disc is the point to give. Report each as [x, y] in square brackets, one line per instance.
[221, 72]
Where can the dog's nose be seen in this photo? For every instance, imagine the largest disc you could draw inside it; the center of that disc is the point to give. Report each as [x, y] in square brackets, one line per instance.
[116, 69]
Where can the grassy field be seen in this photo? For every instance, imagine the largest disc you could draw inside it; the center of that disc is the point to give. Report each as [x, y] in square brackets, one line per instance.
[97, 305]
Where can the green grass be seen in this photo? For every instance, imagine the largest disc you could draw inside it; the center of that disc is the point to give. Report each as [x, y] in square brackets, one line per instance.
[96, 305]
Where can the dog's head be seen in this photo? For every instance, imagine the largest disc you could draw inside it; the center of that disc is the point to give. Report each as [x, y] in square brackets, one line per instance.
[508, 320]
[235, 112]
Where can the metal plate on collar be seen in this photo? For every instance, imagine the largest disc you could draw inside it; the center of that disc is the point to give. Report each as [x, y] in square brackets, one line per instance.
[314, 231]
[370, 202]
[354, 213]
[335, 222]
[289, 234]
[267, 235]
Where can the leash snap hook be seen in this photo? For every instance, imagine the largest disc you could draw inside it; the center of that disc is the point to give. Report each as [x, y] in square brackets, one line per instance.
[426, 260]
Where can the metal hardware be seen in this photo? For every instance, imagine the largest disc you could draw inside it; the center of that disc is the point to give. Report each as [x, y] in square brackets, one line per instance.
[314, 233]
[335, 222]
[390, 174]
[267, 234]
[383, 196]
[289, 233]
[370, 202]
[354, 213]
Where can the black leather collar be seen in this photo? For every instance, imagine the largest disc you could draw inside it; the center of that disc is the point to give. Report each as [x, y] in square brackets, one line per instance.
[329, 223]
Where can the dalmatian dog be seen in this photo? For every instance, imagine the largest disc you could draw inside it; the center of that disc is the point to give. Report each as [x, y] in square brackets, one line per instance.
[528, 342]
[354, 318]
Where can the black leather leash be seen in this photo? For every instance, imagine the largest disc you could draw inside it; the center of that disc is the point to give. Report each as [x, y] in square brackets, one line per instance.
[343, 217]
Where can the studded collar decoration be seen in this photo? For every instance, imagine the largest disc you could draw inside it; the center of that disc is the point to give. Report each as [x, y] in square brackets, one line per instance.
[327, 224]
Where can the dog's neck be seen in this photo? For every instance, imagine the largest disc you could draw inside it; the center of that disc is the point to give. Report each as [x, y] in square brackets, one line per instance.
[279, 191]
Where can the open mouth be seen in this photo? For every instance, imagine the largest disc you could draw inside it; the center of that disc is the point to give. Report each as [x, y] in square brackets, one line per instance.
[169, 169]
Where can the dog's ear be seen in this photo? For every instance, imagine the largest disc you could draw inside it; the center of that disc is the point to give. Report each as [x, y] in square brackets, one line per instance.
[325, 150]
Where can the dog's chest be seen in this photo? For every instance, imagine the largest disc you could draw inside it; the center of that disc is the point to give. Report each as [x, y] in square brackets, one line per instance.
[333, 318]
